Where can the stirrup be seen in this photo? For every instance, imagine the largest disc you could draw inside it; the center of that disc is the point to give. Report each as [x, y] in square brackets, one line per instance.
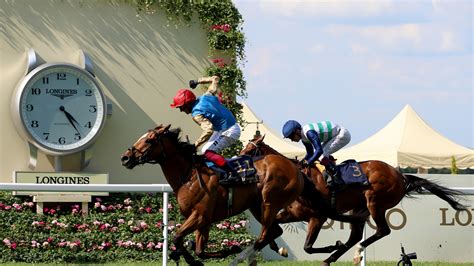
[333, 199]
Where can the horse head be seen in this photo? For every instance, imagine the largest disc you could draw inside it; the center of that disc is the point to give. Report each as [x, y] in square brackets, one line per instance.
[253, 148]
[149, 148]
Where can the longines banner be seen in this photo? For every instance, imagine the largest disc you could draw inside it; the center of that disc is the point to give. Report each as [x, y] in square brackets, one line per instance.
[60, 178]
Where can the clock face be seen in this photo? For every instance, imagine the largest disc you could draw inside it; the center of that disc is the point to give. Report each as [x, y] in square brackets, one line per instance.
[61, 108]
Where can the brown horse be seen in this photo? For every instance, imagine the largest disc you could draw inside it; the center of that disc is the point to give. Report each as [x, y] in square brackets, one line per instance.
[387, 188]
[203, 201]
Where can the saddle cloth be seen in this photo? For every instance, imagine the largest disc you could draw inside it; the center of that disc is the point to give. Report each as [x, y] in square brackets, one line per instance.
[351, 172]
[243, 165]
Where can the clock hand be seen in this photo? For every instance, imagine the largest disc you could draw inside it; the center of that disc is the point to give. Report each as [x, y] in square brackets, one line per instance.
[72, 121]
[70, 118]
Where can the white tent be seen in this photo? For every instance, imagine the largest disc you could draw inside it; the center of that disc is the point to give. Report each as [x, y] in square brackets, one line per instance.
[272, 138]
[407, 141]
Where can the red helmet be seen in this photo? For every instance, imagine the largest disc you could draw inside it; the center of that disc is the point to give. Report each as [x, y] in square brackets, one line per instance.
[182, 97]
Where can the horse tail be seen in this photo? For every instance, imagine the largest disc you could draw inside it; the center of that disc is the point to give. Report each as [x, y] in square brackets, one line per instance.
[415, 183]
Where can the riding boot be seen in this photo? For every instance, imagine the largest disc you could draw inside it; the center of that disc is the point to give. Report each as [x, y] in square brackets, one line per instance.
[332, 171]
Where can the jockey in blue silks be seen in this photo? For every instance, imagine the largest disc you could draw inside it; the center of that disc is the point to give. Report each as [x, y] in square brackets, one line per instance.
[320, 139]
[219, 126]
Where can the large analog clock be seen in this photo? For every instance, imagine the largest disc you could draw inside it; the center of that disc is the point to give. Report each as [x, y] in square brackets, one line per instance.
[60, 108]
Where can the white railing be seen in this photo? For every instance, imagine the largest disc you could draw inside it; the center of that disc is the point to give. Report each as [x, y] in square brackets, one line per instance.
[164, 188]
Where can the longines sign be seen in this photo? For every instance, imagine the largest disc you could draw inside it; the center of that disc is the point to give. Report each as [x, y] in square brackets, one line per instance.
[397, 219]
[60, 178]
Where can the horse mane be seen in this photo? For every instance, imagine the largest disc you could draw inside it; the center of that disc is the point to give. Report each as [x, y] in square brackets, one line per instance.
[185, 146]
[270, 148]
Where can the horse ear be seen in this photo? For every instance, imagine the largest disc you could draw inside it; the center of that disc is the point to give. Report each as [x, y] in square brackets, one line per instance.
[162, 129]
[260, 139]
[158, 127]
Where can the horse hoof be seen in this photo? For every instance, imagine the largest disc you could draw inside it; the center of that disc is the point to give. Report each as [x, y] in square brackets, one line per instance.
[196, 263]
[174, 255]
[235, 249]
[190, 244]
[357, 259]
[283, 252]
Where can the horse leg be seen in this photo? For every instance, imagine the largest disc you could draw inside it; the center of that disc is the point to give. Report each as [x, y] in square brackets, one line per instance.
[314, 227]
[268, 233]
[272, 233]
[202, 237]
[190, 225]
[282, 217]
[382, 230]
[357, 230]
[355, 217]
[270, 229]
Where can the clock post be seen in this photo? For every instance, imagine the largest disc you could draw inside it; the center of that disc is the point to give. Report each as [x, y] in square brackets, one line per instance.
[58, 163]
[60, 109]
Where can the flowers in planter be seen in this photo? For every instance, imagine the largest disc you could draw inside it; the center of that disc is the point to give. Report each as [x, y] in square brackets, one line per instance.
[112, 234]
[9, 244]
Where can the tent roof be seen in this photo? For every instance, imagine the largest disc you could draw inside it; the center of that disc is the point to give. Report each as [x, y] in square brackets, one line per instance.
[407, 141]
[271, 137]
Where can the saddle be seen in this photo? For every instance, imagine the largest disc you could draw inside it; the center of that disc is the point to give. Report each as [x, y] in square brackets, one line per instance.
[243, 165]
[350, 173]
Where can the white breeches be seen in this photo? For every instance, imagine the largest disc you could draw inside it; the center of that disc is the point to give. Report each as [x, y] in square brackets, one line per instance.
[336, 143]
[222, 139]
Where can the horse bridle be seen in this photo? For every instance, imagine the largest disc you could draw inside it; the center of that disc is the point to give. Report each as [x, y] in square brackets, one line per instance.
[144, 157]
[257, 151]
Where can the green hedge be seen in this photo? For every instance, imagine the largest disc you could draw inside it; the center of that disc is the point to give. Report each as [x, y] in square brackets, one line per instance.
[119, 228]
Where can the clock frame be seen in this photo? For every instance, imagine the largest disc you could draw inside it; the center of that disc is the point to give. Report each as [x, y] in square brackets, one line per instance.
[65, 125]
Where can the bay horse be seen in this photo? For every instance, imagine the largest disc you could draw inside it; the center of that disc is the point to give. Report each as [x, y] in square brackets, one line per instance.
[387, 188]
[203, 201]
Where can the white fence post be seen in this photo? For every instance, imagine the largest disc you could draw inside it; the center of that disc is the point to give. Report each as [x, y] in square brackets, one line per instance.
[165, 228]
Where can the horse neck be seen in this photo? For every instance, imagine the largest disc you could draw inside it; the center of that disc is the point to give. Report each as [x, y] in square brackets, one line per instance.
[268, 150]
[177, 170]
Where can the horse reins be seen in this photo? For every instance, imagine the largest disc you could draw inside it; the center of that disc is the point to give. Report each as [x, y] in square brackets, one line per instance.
[257, 149]
[144, 158]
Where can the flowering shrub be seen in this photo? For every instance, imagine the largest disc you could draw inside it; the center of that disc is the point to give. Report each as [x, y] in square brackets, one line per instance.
[121, 227]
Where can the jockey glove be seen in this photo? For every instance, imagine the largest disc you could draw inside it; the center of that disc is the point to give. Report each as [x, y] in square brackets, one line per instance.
[193, 83]
[303, 163]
